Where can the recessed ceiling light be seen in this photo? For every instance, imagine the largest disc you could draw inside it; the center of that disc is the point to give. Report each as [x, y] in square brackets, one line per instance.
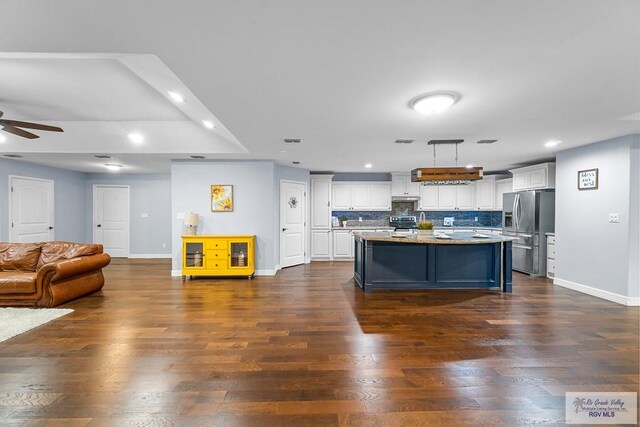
[552, 143]
[176, 97]
[13, 156]
[469, 166]
[113, 167]
[368, 166]
[3, 138]
[208, 124]
[433, 103]
[136, 137]
[102, 156]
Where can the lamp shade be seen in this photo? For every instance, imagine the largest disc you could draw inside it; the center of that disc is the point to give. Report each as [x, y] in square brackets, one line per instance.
[191, 219]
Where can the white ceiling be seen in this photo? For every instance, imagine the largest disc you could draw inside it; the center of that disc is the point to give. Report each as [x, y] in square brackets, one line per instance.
[337, 74]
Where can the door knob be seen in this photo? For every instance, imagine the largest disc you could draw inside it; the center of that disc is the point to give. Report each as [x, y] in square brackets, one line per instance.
[284, 229]
[50, 227]
[99, 225]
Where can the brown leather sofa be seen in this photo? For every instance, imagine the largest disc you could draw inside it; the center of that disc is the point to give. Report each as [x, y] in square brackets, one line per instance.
[50, 273]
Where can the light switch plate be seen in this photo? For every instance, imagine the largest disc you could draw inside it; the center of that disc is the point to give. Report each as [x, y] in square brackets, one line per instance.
[614, 218]
[180, 215]
[144, 215]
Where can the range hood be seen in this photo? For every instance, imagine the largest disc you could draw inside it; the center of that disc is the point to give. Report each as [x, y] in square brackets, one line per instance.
[405, 198]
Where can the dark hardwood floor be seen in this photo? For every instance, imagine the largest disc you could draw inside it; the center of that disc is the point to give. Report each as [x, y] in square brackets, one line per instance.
[307, 348]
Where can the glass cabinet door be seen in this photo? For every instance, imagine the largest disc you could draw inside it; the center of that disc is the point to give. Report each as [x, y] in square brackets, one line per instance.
[194, 254]
[239, 254]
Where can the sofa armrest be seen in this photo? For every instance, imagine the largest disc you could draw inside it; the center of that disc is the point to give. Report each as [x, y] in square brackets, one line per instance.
[60, 270]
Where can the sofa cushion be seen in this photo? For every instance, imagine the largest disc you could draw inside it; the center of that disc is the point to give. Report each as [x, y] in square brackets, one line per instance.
[16, 282]
[55, 251]
[19, 256]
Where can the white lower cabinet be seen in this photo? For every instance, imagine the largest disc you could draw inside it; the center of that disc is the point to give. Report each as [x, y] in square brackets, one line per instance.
[551, 256]
[342, 244]
[321, 244]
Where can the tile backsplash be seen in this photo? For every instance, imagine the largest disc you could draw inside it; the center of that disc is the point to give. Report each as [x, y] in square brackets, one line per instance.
[461, 218]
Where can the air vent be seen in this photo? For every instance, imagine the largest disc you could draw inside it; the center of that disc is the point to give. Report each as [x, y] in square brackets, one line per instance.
[197, 157]
[102, 156]
[404, 141]
[487, 141]
[292, 140]
[296, 163]
[13, 156]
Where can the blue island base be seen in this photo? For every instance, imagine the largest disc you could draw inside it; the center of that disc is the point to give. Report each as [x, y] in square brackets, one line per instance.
[398, 265]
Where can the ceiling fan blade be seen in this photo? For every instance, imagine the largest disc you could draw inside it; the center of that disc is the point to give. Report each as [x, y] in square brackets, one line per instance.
[19, 132]
[30, 125]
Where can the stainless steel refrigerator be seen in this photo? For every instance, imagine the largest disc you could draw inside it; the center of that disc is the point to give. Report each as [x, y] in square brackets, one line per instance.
[528, 215]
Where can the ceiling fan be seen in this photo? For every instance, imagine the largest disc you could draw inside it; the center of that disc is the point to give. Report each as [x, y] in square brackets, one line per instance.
[13, 126]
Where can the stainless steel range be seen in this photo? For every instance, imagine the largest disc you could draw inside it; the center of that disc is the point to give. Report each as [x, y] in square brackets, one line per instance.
[404, 223]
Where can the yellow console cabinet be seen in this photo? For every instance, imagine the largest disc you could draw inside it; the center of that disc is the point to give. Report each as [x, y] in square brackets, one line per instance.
[219, 255]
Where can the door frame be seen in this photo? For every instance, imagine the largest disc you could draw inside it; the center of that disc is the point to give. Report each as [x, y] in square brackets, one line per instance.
[305, 229]
[94, 211]
[10, 204]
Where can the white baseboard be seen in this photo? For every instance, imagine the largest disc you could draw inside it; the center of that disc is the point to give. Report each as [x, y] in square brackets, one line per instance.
[176, 273]
[599, 293]
[149, 256]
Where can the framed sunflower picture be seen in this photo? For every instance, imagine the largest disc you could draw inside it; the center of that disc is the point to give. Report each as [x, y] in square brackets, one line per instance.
[222, 198]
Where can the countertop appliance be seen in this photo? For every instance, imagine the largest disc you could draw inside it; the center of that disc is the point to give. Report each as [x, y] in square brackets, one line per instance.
[403, 223]
[528, 215]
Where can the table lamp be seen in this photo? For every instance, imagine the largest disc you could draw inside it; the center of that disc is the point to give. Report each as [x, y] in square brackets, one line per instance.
[191, 223]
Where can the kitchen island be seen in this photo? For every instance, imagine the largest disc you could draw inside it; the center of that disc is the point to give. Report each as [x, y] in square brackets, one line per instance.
[460, 261]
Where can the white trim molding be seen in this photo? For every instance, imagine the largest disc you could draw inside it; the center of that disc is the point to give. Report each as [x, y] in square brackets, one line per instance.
[598, 293]
[149, 256]
[178, 273]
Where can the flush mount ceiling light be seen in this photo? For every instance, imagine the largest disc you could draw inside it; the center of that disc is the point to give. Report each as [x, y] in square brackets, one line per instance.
[433, 103]
[447, 175]
[208, 124]
[136, 138]
[176, 97]
[368, 166]
[552, 143]
[113, 167]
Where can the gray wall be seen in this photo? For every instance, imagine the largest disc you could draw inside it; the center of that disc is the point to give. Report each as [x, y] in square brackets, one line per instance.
[150, 194]
[589, 250]
[253, 194]
[634, 226]
[69, 195]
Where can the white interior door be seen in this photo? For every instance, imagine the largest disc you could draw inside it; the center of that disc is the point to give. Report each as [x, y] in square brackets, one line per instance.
[32, 210]
[111, 218]
[293, 225]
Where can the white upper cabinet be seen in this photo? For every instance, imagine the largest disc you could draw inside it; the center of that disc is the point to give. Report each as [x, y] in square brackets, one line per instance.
[534, 177]
[428, 198]
[380, 197]
[361, 196]
[502, 186]
[341, 197]
[485, 193]
[465, 196]
[321, 201]
[456, 197]
[401, 185]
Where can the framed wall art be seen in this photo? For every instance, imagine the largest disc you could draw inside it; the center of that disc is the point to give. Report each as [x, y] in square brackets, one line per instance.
[588, 179]
[222, 198]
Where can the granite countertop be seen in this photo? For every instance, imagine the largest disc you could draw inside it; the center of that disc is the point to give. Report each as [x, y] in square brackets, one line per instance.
[457, 239]
[364, 227]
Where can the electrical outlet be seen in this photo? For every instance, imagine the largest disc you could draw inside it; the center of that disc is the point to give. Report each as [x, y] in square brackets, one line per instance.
[475, 219]
[614, 218]
[360, 218]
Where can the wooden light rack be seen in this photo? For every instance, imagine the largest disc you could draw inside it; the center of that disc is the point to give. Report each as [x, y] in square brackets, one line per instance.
[446, 174]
